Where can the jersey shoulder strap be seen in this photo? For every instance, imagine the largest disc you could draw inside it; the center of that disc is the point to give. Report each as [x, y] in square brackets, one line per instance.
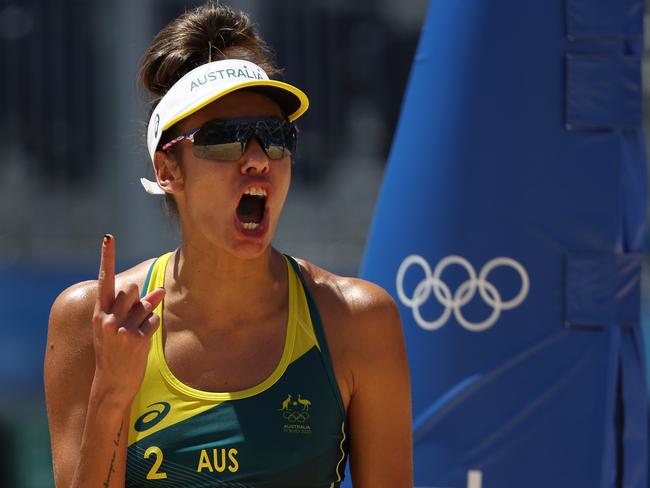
[145, 286]
[320, 334]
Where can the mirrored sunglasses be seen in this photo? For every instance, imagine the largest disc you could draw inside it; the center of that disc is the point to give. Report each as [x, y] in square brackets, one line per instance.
[227, 140]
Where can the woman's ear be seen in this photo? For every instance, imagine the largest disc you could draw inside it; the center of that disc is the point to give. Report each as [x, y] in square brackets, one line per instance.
[168, 172]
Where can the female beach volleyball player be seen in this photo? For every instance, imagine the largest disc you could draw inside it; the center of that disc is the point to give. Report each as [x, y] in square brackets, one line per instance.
[224, 363]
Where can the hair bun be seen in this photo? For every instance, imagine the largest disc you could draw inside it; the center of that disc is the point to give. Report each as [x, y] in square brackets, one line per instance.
[206, 33]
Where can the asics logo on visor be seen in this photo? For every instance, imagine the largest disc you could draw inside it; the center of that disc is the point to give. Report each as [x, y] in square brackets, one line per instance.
[433, 285]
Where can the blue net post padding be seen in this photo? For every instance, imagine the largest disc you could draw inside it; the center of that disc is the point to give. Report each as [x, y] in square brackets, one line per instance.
[509, 231]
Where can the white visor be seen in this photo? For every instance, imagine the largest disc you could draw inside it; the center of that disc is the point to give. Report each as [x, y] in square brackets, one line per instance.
[206, 84]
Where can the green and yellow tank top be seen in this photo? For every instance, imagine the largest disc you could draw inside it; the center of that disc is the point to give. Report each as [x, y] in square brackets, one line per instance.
[288, 431]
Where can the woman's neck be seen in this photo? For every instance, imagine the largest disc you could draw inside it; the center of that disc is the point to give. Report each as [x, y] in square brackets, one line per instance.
[220, 289]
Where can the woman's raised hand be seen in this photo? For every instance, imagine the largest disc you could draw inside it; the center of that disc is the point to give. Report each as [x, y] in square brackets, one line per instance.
[122, 328]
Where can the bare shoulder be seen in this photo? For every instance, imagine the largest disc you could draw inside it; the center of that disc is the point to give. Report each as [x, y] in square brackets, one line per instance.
[354, 299]
[71, 312]
[362, 326]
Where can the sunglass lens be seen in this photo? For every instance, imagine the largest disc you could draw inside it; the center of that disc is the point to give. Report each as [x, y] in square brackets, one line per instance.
[229, 151]
[277, 152]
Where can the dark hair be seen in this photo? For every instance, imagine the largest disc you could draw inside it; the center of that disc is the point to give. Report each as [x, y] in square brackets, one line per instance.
[206, 33]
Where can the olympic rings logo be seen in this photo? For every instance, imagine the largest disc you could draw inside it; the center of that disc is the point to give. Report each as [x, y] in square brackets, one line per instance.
[463, 294]
[300, 417]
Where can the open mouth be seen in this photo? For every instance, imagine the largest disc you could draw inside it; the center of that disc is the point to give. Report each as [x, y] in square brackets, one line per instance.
[251, 208]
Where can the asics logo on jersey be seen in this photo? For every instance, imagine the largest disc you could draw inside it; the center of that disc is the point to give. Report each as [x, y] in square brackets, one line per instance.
[432, 284]
[148, 419]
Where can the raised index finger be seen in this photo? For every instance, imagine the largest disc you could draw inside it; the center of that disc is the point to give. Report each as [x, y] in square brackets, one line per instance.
[106, 278]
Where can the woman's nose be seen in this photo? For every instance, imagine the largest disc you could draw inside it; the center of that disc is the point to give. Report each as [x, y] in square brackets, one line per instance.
[255, 159]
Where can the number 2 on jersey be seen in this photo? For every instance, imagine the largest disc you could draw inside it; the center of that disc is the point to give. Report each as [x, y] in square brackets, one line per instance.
[154, 474]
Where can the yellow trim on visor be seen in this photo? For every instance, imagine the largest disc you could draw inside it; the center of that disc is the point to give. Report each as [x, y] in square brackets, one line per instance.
[300, 95]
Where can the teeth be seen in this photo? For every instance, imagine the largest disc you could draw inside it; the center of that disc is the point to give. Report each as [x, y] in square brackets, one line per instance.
[256, 192]
[250, 225]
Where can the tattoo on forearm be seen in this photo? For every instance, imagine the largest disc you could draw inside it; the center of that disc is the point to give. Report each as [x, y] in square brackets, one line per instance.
[119, 434]
[111, 468]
